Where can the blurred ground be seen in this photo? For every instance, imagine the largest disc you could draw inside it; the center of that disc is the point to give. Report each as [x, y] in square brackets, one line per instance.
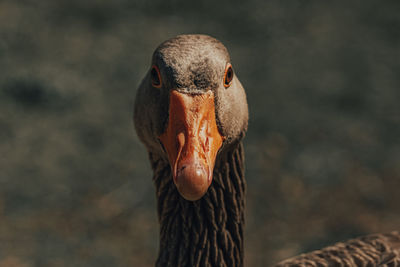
[323, 150]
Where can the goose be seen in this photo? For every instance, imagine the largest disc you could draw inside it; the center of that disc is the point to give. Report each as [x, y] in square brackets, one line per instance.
[191, 114]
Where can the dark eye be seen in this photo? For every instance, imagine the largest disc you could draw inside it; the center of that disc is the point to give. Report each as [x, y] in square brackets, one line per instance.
[155, 77]
[228, 77]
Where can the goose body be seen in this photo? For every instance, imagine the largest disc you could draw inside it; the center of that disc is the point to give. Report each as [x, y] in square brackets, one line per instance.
[191, 114]
[372, 250]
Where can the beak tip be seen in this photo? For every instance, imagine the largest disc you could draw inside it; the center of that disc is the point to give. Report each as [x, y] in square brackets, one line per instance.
[192, 182]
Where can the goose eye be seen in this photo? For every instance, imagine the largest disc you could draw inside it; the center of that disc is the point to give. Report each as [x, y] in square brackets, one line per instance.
[155, 77]
[228, 77]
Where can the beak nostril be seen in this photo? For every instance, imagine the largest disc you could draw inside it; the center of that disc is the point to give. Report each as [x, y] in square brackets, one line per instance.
[182, 168]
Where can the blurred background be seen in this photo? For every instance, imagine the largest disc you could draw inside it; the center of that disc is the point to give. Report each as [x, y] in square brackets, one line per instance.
[322, 150]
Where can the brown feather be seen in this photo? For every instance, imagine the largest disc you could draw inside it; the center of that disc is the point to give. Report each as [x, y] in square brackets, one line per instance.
[371, 250]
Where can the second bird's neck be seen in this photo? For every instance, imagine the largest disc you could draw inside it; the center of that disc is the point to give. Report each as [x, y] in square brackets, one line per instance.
[207, 232]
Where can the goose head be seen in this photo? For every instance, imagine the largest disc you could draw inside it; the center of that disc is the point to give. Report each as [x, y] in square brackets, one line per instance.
[190, 108]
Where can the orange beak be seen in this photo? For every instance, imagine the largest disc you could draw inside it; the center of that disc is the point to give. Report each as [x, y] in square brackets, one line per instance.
[192, 142]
